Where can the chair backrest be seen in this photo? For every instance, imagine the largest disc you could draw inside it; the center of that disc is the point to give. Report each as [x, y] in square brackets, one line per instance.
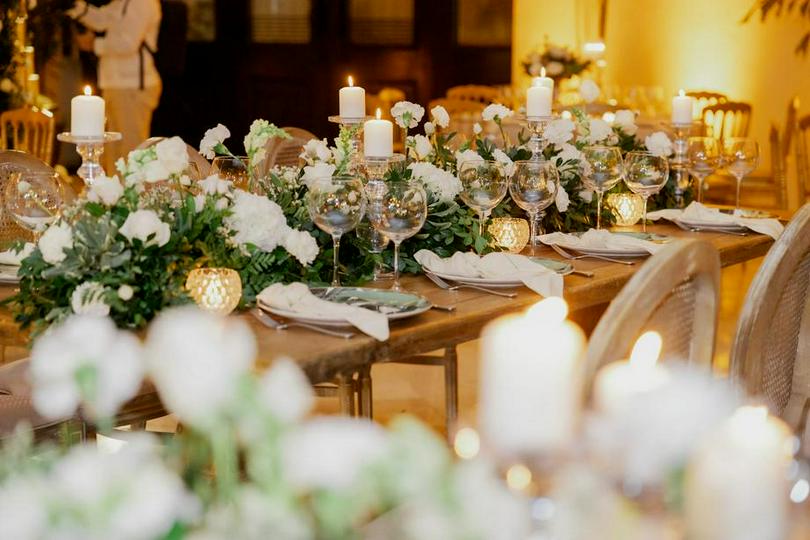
[30, 130]
[729, 119]
[475, 92]
[675, 293]
[203, 165]
[802, 151]
[285, 152]
[771, 350]
[13, 162]
[778, 167]
[703, 99]
[384, 100]
[458, 106]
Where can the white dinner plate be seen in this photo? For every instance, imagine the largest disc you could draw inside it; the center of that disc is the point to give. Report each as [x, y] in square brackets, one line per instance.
[712, 225]
[561, 267]
[8, 274]
[629, 252]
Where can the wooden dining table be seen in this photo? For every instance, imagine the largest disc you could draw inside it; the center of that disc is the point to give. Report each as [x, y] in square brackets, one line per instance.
[327, 359]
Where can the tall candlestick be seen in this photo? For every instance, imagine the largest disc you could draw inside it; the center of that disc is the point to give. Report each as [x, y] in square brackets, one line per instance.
[87, 115]
[538, 101]
[352, 101]
[737, 485]
[378, 138]
[682, 109]
[529, 380]
[542, 80]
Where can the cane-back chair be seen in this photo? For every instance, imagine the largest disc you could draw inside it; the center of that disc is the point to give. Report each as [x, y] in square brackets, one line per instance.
[729, 119]
[30, 130]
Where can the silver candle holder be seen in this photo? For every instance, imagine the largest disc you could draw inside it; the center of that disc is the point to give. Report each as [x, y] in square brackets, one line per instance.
[679, 163]
[356, 125]
[90, 148]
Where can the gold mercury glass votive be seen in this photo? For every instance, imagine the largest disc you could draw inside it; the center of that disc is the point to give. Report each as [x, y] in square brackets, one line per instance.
[217, 290]
[510, 233]
[627, 208]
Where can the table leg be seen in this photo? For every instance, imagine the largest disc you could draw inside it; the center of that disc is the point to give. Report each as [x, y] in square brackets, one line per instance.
[346, 387]
[365, 396]
[451, 388]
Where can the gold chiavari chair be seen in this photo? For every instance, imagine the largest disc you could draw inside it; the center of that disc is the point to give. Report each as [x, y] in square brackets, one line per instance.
[30, 130]
[475, 92]
[675, 293]
[703, 99]
[771, 350]
[729, 119]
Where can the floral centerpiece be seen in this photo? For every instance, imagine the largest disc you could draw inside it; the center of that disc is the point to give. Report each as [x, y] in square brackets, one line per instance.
[559, 62]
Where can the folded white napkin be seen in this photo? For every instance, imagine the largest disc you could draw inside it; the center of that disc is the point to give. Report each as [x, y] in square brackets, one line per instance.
[600, 239]
[12, 258]
[298, 298]
[502, 266]
[699, 212]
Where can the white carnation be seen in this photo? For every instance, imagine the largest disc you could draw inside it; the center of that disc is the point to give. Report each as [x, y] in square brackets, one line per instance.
[559, 131]
[316, 150]
[443, 184]
[172, 154]
[495, 111]
[146, 226]
[626, 120]
[658, 144]
[53, 243]
[429, 128]
[589, 91]
[105, 190]
[316, 171]
[213, 138]
[301, 245]
[214, 185]
[501, 157]
[407, 114]
[257, 220]
[599, 130]
[440, 116]
[466, 155]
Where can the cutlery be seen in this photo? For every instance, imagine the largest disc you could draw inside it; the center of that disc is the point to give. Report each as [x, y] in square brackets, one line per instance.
[691, 228]
[438, 307]
[560, 251]
[446, 286]
[270, 322]
[583, 273]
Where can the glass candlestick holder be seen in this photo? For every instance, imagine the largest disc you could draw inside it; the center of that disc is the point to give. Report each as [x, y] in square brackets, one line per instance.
[678, 164]
[356, 127]
[90, 148]
[537, 126]
[374, 170]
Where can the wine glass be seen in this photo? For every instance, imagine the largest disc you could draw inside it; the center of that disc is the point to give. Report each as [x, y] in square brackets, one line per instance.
[399, 214]
[603, 169]
[336, 205]
[34, 200]
[234, 169]
[645, 175]
[533, 187]
[741, 156]
[703, 157]
[377, 241]
[483, 186]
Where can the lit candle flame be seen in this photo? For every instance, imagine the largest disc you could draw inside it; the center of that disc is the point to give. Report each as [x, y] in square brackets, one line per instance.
[681, 92]
[379, 113]
[351, 81]
[646, 350]
[542, 71]
[467, 443]
[551, 310]
[88, 91]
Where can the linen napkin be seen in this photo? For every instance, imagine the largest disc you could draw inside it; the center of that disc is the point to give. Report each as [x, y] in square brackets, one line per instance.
[298, 298]
[699, 212]
[600, 239]
[10, 257]
[503, 266]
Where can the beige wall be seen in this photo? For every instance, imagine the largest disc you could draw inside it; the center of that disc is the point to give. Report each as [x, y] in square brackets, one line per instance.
[694, 44]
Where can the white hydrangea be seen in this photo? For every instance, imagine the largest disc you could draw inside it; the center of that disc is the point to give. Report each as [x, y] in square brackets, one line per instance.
[440, 116]
[406, 114]
[626, 120]
[301, 245]
[496, 111]
[88, 299]
[257, 220]
[212, 141]
[214, 185]
[443, 184]
[598, 131]
[659, 144]
[53, 243]
[146, 226]
[559, 131]
[315, 151]
[589, 91]
[105, 190]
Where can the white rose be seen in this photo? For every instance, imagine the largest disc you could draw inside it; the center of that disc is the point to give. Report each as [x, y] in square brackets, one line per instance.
[316, 171]
[407, 114]
[213, 138]
[302, 246]
[315, 150]
[125, 292]
[440, 116]
[143, 224]
[173, 155]
[429, 128]
[626, 120]
[197, 360]
[589, 91]
[569, 152]
[105, 190]
[214, 185]
[559, 131]
[496, 110]
[88, 299]
[561, 199]
[659, 144]
[53, 243]
[501, 157]
[466, 155]
[599, 130]
[422, 146]
[477, 128]
[85, 342]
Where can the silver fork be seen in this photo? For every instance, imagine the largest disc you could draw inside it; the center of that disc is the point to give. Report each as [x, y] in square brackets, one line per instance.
[270, 322]
[560, 251]
[446, 286]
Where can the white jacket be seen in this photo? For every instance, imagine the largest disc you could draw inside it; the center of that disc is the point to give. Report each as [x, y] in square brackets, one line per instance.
[128, 25]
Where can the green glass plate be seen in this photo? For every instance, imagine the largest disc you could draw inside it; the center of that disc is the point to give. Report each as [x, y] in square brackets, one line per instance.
[393, 304]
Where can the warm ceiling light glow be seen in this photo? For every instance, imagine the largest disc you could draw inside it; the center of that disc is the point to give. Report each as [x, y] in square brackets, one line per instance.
[646, 350]
[351, 81]
[594, 47]
[550, 310]
[88, 91]
[379, 113]
[467, 443]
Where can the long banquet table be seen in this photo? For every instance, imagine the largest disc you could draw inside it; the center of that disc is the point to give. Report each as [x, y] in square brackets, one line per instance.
[325, 358]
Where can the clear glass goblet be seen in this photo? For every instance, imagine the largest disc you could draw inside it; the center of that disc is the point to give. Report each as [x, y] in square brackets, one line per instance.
[34, 200]
[741, 157]
[483, 186]
[377, 241]
[234, 169]
[533, 187]
[399, 214]
[336, 205]
[645, 175]
[703, 157]
[603, 169]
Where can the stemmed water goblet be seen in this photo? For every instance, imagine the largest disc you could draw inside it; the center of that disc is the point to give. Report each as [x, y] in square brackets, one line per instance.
[703, 158]
[399, 213]
[336, 205]
[533, 187]
[234, 169]
[603, 169]
[645, 175]
[34, 200]
[377, 241]
[741, 157]
[483, 186]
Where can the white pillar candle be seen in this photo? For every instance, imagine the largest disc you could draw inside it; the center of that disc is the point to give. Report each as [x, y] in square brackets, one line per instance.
[736, 486]
[378, 138]
[530, 380]
[618, 383]
[682, 109]
[542, 80]
[538, 101]
[87, 115]
[352, 101]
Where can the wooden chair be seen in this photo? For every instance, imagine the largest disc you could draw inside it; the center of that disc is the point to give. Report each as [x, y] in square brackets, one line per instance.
[729, 119]
[704, 99]
[802, 151]
[675, 293]
[13, 162]
[285, 152]
[475, 92]
[29, 130]
[771, 350]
